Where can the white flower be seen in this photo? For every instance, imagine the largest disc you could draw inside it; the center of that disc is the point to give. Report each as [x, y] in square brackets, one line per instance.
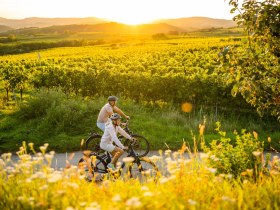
[70, 208]
[117, 198]
[212, 170]
[148, 194]
[226, 198]
[133, 202]
[167, 152]
[163, 180]
[144, 188]
[192, 202]
[128, 159]
[155, 158]
[44, 187]
[55, 178]
[204, 155]
[257, 153]
[74, 185]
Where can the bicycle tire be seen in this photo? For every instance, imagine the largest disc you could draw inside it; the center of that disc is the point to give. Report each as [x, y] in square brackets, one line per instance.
[93, 143]
[141, 146]
[144, 169]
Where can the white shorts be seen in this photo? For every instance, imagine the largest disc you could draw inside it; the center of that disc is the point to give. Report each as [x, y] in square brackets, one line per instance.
[107, 147]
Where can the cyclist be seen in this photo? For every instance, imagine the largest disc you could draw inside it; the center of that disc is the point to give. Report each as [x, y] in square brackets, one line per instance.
[112, 128]
[107, 110]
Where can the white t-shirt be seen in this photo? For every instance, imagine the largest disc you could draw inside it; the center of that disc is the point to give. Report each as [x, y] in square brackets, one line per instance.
[110, 135]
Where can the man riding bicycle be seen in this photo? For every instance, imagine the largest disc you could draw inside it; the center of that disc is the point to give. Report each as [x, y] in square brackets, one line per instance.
[112, 128]
[107, 110]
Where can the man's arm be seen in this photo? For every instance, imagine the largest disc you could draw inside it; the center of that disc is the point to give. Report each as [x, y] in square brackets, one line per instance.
[119, 111]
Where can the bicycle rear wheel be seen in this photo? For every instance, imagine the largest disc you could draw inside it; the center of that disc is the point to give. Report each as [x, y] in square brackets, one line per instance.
[93, 142]
[144, 169]
[141, 145]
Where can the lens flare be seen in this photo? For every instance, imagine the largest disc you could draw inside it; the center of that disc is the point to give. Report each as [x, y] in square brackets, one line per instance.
[186, 107]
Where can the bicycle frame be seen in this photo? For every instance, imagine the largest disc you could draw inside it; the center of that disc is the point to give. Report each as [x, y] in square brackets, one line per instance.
[107, 159]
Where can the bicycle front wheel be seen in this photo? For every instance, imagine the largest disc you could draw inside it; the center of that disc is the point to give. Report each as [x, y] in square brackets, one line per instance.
[144, 169]
[93, 142]
[141, 145]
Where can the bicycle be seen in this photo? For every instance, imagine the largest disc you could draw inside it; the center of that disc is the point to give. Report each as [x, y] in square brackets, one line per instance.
[139, 167]
[142, 145]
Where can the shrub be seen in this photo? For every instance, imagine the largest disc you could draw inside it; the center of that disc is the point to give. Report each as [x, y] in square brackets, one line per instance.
[242, 157]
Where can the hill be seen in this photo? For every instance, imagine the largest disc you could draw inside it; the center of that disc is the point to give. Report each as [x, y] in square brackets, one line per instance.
[185, 24]
[4, 28]
[46, 22]
[198, 23]
[111, 27]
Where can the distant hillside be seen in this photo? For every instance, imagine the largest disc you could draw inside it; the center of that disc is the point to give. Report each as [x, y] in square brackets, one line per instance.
[46, 22]
[4, 28]
[198, 23]
[111, 27]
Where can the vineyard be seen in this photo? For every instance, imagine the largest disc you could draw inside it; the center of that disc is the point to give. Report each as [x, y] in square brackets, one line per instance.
[156, 73]
[172, 71]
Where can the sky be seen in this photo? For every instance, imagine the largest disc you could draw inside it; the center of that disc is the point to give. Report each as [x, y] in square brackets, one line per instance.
[124, 11]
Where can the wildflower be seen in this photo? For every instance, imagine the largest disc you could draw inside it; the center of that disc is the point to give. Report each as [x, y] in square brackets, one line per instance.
[144, 188]
[175, 155]
[2, 163]
[148, 194]
[229, 176]
[55, 178]
[116, 198]
[133, 202]
[74, 185]
[43, 149]
[269, 139]
[257, 153]
[226, 198]
[20, 198]
[44, 187]
[167, 152]
[82, 204]
[255, 134]
[49, 158]
[204, 155]
[160, 152]
[155, 158]
[201, 129]
[212, 170]
[128, 159]
[250, 172]
[94, 206]
[163, 180]
[274, 172]
[31, 145]
[192, 202]
[70, 208]
[82, 142]
[28, 180]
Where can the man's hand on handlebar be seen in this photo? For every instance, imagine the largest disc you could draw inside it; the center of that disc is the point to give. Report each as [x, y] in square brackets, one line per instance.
[125, 148]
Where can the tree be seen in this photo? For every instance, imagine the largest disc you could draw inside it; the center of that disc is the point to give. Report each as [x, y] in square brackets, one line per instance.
[254, 68]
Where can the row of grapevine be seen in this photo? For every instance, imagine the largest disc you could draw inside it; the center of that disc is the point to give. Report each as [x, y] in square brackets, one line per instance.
[171, 71]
